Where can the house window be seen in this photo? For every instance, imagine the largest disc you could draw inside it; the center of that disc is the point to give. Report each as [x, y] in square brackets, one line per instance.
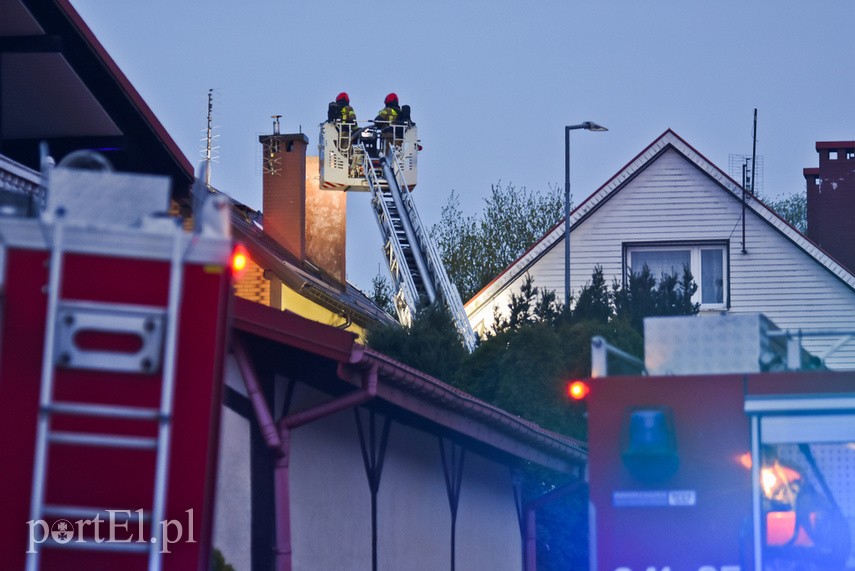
[832, 155]
[707, 262]
[850, 154]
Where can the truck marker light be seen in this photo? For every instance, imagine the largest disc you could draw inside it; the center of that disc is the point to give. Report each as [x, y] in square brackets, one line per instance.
[577, 390]
[239, 259]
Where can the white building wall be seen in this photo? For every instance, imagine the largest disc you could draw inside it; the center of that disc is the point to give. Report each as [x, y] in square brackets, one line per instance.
[671, 200]
[414, 520]
[331, 501]
[232, 517]
[488, 532]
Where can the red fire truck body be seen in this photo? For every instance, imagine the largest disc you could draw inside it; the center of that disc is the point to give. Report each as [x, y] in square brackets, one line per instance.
[682, 471]
[111, 348]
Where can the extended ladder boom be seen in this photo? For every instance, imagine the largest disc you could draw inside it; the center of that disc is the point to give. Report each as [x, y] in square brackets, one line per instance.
[416, 268]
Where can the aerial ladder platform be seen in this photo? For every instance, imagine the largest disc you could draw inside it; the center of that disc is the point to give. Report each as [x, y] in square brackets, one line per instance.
[384, 163]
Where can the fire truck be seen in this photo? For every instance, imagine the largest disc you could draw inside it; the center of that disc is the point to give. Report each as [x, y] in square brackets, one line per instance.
[733, 451]
[112, 333]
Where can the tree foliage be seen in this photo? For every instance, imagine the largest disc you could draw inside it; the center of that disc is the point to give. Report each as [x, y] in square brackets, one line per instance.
[644, 297]
[382, 295]
[530, 305]
[432, 344]
[474, 249]
[792, 208]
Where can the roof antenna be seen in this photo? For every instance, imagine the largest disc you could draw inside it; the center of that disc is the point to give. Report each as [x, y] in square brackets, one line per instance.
[754, 155]
[745, 184]
[209, 138]
[276, 123]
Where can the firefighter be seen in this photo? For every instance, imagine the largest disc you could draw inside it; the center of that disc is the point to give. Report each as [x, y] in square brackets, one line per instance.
[343, 116]
[387, 119]
[340, 110]
[389, 114]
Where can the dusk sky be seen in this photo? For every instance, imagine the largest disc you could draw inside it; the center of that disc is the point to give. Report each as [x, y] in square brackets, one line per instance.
[492, 84]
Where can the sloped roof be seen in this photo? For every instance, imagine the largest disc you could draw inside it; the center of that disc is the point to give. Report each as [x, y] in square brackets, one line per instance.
[349, 302]
[414, 393]
[668, 140]
[58, 84]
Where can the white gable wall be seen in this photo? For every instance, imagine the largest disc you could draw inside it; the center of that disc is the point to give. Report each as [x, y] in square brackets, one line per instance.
[673, 200]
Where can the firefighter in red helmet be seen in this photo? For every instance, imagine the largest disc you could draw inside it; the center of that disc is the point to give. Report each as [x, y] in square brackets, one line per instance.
[340, 109]
[389, 114]
[388, 120]
[342, 114]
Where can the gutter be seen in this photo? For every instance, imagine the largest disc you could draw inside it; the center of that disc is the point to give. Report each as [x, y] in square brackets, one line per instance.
[460, 403]
[277, 435]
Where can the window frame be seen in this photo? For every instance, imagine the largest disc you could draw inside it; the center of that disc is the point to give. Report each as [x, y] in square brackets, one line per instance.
[694, 247]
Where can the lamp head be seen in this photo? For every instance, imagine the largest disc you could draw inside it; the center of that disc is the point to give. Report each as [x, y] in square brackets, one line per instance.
[591, 126]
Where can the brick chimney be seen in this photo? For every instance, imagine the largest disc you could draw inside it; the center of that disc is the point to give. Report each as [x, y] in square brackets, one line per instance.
[831, 201]
[309, 222]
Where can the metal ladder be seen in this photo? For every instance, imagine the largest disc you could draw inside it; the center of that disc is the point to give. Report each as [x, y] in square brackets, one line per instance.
[158, 329]
[416, 268]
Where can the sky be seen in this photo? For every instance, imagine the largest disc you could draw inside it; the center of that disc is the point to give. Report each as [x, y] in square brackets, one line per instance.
[492, 85]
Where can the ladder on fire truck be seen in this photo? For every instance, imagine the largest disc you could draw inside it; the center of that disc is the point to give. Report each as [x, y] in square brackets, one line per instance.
[414, 263]
[157, 327]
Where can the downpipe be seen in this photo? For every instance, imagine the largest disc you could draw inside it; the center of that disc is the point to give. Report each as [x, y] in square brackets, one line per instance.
[277, 436]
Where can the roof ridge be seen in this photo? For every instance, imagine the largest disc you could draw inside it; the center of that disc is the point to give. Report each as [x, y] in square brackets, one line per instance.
[668, 139]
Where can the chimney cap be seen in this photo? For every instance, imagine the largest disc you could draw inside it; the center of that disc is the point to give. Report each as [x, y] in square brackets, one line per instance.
[835, 145]
[285, 138]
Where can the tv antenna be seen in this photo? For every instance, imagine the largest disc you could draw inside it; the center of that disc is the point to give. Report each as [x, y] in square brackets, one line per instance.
[748, 169]
[210, 153]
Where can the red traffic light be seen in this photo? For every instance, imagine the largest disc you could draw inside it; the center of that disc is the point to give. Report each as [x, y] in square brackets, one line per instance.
[577, 390]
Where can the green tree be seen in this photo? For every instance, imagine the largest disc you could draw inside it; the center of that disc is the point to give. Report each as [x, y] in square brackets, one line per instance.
[644, 297]
[792, 208]
[382, 295]
[431, 344]
[531, 304]
[594, 302]
[474, 249]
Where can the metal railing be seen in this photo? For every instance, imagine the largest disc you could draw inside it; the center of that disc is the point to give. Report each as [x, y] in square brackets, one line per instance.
[600, 352]
[795, 352]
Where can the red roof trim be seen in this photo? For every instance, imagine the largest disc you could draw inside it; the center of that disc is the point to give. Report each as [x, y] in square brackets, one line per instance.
[415, 391]
[477, 409]
[834, 145]
[291, 329]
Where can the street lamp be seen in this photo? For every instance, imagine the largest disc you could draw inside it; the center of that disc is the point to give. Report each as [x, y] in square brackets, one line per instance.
[589, 126]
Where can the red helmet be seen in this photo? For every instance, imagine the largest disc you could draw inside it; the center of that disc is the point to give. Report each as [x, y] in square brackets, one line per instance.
[392, 98]
[342, 97]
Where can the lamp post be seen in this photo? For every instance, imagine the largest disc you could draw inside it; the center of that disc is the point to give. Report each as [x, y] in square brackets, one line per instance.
[589, 126]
